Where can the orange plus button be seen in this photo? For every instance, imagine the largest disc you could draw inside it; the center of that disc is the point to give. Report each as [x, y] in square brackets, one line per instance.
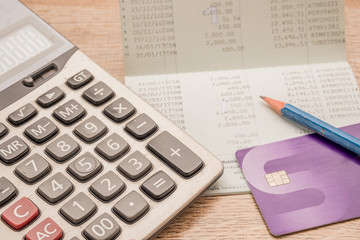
[20, 214]
[47, 229]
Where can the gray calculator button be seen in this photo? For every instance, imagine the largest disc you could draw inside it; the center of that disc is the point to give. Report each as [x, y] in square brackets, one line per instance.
[112, 147]
[175, 154]
[108, 186]
[22, 115]
[119, 110]
[80, 79]
[103, 227]
[135, 166]
[141, 127]
[91, 129]
[74, 238]
[12, 150]
[78, 209]
[33, 168]
[50, 97]
[69, 112]
[41, 130]
[7, 191]
[63, 148]
[55, 188]
[131, 207]
[3, 130]
[158, 185]
[84, 167]
[98, 94]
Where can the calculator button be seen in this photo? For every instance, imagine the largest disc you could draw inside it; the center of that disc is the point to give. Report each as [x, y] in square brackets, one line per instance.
[47, 229]
[69, 112]
[41, 130]
[20, 214]
[119, 110]
[22, 115]
[80, 79]
[175, 154]
[91, 129]
[131, 207]
[78, 209]
[3, 130]
[98, 94]
[135, 166]
[55, 188]
[12, 150]
[33, 169]
[7, 191]
[84, 167]
[102, 228]
[141, 127]
[112, 147]
[63, 148]
[158, 186]
[50, 97]
[108, 186]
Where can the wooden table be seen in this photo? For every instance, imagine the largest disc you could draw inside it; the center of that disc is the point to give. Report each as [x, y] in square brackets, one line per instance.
[94, 26]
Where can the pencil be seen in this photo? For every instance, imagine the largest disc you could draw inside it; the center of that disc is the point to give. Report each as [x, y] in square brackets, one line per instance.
[330, 132]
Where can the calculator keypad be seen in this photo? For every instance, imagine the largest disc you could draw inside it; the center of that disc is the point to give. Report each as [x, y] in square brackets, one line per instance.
[103, 227]
[63, 148]
[80, 79]
[91, 129]
[46, 229]
[78, 209]
[69, 112]
[135, 166]
[131, 207]
[98, 94]
[112, 147]
[7, 191]
[22, 115]
[120, 110]
[33, 168]
[41, 130]
[141, 127]
[12, 150]
[158, 186]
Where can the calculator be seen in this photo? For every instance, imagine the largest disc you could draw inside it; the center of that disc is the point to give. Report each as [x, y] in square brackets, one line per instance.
[82, 156]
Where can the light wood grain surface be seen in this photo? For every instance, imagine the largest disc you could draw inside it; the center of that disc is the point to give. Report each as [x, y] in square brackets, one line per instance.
[94, 26]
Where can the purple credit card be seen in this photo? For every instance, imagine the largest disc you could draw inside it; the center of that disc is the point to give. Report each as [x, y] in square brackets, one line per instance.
[304, 182]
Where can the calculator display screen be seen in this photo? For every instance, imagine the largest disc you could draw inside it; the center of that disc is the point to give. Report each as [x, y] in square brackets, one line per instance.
[20, 46]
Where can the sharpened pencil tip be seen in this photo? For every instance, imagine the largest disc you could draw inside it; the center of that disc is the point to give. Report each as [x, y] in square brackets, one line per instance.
[262, 97]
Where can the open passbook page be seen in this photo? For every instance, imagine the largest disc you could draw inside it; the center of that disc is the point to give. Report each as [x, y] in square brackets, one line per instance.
[205, 63]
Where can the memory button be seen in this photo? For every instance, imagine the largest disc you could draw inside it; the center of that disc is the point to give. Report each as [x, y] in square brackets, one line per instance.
[12, 150]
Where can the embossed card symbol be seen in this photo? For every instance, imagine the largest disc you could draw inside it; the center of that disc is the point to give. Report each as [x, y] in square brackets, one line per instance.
[277, 178]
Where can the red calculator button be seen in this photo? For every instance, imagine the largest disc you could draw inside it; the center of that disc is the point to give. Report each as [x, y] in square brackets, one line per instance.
[20, 214]
[47, 229]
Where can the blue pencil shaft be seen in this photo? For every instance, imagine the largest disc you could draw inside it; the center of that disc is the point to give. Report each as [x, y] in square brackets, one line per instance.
[332, 133]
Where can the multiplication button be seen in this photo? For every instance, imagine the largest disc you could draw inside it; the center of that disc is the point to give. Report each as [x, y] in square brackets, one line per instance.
[119, 110]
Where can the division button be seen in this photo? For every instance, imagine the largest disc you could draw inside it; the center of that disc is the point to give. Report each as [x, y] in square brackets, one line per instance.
[12, 150]
[69, 112]
[50, 97]
[98, 94]
[102, 228]
[47, 229]
[22, 115]
[41, 130]
[141, 127]
[55, 188]
[63, 148]
[33, 168]
[3, 130]
[135, 166]
[131, 207]
[90, 129]
[78, 209]
[173, 152]
[7, 191]
[112, 147]
[20, 214]
[108, 186]
[158, 185]
[80, 79]
[84, 167]
[119, 110]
